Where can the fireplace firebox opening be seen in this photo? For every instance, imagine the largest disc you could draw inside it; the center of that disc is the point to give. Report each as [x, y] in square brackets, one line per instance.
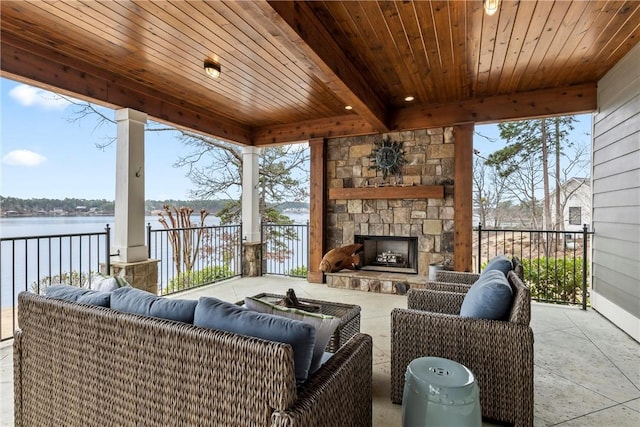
[395, 254]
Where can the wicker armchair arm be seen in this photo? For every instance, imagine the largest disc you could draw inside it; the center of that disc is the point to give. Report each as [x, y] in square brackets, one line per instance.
[456, 277]
[447, 287]
[435, 301]
[339, 393]
[17, 378]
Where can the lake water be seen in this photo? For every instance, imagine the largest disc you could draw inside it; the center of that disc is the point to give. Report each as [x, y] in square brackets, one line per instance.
[44, 226]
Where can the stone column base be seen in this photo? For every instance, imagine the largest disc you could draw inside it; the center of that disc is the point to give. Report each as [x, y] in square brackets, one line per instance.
[142, 275]
[251, 259]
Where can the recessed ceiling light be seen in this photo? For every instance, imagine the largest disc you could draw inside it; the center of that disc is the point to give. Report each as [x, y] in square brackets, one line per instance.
[491, 7]
[212, 69]
[409, 98]
[348, 107]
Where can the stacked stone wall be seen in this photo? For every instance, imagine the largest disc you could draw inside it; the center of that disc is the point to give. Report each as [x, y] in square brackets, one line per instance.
[429, 156]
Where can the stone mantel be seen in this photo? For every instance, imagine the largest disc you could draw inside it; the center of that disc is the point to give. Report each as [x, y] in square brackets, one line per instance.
[388, 192]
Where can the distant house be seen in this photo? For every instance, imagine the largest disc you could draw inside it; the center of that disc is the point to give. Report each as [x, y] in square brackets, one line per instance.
[575, 198]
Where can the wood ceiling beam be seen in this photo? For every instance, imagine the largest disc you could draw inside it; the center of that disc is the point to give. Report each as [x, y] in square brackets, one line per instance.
[542, 103]
[332, 127]
[31, 63]
[563, 101]
[308, 39]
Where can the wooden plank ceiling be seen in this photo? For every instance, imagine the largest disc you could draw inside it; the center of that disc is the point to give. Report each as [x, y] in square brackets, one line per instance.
[290, 68]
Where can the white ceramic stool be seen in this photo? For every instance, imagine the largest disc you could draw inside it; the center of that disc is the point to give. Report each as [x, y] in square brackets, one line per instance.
[440, 392]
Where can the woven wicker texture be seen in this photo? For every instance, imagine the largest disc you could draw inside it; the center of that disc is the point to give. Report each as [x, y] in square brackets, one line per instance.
[77, 365]
[447, 287]
[349, 318]
[499, 353]
[456, 277]
[342, 403]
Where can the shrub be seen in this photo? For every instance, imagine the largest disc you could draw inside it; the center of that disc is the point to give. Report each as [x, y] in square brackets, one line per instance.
[298, 272]
[193, 279]
[555, 279]
[73, 278]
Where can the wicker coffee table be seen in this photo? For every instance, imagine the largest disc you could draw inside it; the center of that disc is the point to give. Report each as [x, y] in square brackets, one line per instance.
[349, 317]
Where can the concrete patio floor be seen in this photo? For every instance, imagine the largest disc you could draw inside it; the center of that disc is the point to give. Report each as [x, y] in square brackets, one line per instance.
[587, 371]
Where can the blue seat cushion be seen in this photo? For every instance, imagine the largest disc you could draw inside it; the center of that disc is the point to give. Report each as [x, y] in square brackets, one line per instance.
[137, 301]
[500, 263]
[79, 295]
[215, 314]
[490, 297]
[325, 325]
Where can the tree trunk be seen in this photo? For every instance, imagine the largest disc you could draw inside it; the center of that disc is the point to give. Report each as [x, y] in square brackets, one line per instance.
[559, 208]
[545, 174]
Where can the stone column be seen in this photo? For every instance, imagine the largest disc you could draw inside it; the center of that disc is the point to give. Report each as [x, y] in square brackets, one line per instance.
[250, 212]
[129, 229]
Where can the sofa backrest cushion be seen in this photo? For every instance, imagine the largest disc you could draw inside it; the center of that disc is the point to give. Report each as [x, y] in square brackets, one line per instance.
[137, 301]
[325, 325]
[79, 295]
[216, 314]
[490, 297]
[500, 263]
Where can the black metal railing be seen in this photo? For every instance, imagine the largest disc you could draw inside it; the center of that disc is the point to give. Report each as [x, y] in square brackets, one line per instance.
[285, 249]
[555, 262]
[32, 263]
[195, 256]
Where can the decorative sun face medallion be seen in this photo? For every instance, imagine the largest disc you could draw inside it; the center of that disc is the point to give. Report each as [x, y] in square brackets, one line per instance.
[387, 157]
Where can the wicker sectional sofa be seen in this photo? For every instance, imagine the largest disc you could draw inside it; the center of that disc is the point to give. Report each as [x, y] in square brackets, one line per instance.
[83, 365]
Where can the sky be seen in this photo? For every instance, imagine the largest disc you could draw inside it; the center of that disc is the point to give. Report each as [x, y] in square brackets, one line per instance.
[43, 155]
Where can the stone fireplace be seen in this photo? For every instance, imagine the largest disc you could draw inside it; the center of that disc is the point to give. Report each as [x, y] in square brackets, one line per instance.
[413, 206]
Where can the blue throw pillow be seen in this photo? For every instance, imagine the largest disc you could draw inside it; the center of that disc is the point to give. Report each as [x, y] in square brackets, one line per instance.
[137, 301]
[215, 314]
[490, 297]
[500, 263]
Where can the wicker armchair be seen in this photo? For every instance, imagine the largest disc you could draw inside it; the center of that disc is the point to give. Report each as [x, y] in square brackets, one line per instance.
[499, 353]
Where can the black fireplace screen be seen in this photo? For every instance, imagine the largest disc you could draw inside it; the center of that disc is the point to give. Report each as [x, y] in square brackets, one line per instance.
[388, 253]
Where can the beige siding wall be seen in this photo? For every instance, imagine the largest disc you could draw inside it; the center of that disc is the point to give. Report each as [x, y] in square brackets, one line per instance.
[616, 195]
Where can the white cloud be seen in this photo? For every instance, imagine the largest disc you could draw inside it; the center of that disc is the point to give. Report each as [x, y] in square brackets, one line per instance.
[30, 96]
[23, 158]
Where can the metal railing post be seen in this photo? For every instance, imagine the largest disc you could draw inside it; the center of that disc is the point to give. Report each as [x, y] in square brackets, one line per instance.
[149, 240]
[584, 266]
[107, 242]
[479, 246]
[241, 244]
[308, 245]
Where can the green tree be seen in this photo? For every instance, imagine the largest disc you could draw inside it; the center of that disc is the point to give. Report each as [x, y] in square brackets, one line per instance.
[534, 143]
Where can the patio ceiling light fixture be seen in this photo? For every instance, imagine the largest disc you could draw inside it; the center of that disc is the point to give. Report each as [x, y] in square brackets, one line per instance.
[212, 69]
[491, 6]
